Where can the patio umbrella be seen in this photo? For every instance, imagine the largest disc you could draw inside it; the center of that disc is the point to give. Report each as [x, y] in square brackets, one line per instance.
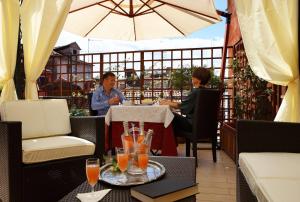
[139, 19]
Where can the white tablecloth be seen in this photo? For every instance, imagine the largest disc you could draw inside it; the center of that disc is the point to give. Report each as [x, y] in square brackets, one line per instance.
[136, 113]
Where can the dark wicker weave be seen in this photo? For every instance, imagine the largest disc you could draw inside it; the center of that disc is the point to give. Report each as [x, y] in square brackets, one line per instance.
[263, 136]
[92, 112]
[47, 181]
[176, 168]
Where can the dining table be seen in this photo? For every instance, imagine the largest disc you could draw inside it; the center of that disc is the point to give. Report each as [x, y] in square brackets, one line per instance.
[156, 117]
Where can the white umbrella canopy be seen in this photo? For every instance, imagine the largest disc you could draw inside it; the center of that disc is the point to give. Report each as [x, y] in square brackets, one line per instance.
[139, 19]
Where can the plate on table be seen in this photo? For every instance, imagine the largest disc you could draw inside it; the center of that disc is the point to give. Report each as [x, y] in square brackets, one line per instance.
[155, 171]
[147, 102]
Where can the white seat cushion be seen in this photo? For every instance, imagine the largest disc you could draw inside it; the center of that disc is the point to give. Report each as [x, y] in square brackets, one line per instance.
[40, 118]
[56, 147]
[278, 190]
[258, 166]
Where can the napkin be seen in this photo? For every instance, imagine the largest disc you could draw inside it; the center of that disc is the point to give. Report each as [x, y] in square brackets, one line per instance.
[92, 197]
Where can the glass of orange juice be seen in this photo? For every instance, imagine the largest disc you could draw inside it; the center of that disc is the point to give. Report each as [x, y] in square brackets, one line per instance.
[122, 159]
[128, 143]
[92, 168]
[143, 159]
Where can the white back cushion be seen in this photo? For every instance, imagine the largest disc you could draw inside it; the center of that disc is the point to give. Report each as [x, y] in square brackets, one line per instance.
[57, 117]
[40, 118]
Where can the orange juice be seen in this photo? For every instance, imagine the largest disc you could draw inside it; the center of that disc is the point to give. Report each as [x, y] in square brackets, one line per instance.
[122, 161]
[143, 148]
[141, 138]
[128, 142]
[143, 161]
[92, 173]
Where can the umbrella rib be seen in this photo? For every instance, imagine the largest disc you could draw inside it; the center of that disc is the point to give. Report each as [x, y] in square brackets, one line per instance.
[103, 18]
[114, 11]
[100, 4]
[141, 7]
[176, 6]
[149, 10]
[165, 20]
[78, 9]
[118, 5]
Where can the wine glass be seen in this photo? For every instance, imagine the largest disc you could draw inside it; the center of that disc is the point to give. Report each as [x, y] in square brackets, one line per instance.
[92, 168]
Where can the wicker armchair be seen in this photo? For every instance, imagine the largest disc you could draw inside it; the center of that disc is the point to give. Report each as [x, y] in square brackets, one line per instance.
[44, 181]
[263, 136]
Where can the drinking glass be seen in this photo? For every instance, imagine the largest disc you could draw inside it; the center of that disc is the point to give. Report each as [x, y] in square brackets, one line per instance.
[143, 159]
[122, 159]
[92, 168]
[128, 142]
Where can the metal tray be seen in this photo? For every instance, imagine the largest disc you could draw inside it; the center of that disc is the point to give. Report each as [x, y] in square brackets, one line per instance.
[155, 171]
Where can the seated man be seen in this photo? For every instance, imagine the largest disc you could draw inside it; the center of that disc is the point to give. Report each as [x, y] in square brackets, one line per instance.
[106, 95]
[200, 78]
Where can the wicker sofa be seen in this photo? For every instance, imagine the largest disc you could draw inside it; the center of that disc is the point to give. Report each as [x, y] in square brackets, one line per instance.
[43, 150]
[268, 161]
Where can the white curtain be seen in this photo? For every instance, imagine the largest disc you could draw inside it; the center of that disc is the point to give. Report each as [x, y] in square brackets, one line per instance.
[41, 23]
[270, 34]
[9, 29]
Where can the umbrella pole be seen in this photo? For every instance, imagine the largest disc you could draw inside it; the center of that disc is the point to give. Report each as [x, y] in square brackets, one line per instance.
[224, 53]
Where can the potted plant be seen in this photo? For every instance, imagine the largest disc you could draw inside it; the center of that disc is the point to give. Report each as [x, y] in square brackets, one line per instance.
[77, 102]
[252, 100]
[251, 95]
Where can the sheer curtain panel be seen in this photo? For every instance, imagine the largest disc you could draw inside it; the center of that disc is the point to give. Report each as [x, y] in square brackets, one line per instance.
[9, 18]
[270, 35]
[42, 22]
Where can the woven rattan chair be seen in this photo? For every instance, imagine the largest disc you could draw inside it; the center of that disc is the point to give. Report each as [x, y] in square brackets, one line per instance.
[92, 112]
[44, 181]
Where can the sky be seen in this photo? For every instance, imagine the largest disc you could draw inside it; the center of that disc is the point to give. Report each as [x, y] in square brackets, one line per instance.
[207, 37]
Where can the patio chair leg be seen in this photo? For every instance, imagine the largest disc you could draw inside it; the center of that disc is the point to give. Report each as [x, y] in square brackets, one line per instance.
[195, 152]
[113, 152]
[214, 149]
[187, 147]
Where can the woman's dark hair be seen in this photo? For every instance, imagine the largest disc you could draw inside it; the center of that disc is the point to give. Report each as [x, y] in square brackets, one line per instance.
[108, 74]
[202, 74]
